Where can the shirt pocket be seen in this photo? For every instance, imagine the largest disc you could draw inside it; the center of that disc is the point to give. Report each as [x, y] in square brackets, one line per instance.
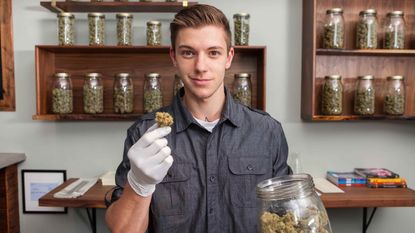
[171, 194]
[245, 173]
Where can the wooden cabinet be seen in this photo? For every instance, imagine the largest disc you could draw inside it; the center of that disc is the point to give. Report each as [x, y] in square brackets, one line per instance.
[350, 62]
[109, 60]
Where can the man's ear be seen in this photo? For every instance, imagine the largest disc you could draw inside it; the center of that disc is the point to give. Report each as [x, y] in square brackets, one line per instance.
[231, 53]
[173, 56]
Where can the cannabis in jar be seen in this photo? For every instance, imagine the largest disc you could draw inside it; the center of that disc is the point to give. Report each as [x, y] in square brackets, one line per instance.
[394, 30]
[123, 93]
[242, 88]
[394, 100]
[241, 28]
[153, 97]
[366, 30]
[332, 96]
[66, 31]
[364, 98]
[93, 94]
[153, 33]
[333, 37]
[96, 24]
[178, 83]
[124, 28]
[62, 98]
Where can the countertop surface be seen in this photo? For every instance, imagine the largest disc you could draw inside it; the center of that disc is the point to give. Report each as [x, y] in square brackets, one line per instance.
[7, 159]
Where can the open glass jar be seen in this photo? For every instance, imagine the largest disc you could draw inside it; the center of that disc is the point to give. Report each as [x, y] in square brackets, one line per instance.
[62, 98]
[290, 204]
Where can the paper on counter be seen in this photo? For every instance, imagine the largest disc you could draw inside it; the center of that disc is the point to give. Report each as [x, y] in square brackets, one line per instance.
[326, 186]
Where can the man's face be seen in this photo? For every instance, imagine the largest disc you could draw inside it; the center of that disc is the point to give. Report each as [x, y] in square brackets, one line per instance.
[201, 57]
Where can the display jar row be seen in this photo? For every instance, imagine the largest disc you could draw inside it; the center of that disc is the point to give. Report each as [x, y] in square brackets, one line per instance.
[123, 92]
[364, 95]
[96, 26]
[367, 30]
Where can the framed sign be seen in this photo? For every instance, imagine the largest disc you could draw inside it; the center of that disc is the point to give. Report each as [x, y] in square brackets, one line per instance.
[36, 183]
[7, 90]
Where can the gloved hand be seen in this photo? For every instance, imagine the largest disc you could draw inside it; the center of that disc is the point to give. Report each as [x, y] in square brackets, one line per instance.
[150, 159]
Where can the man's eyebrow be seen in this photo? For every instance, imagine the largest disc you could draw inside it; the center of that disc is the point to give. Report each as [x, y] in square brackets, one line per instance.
[216, 48]
[185, 47]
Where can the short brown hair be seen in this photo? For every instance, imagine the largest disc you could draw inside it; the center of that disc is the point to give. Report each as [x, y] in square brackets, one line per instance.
[197, 16]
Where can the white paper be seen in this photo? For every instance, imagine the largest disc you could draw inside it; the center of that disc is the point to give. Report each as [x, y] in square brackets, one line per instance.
[326, 186]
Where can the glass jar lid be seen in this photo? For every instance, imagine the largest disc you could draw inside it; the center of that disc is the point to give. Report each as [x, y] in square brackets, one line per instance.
[334, 76]
[395, 77]
[395, 14]
[66, 14]
[285, 187]
[368, 12]
[123, 75]
[241, 15]
[153, 22]
[366, 77]
[153, 75]
[95, 14]
[334, 11]
[124, 15]
[242, 75]
[93, 75]
[61, 75]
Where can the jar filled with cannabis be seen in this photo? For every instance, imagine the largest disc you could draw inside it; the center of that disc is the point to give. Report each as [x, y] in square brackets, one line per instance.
[124, 28]
[241, 28]
[332, 95]
[62, 97]
[364, 97]
[394, 30]
[93, 94]
[123, 93]
[242, 88]
[333, 37]
[96, 23]
[178, 83]
[153, 98]
[366, 30]
[290, 204]
[66, 30]
[153, 32]
[394, 99]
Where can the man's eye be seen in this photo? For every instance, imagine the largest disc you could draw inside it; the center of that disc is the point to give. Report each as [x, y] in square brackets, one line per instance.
[187, 53]
[214, 53]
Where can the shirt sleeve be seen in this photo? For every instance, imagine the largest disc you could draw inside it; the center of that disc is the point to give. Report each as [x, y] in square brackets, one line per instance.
[280, 166]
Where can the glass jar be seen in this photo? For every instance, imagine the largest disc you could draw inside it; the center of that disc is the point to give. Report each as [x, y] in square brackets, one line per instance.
[123, 93]
[96, 23]
[153, 33]
[332, 95]
[178, 83]
[62, 98]
[333, 37]
[93, 95]
[241, 28]
[242, 88]
[290, 204]
[153, 98]
[366, 30]
[124, 28]
[66, 31]
[364, 98]
[394, 30]
[394, 100]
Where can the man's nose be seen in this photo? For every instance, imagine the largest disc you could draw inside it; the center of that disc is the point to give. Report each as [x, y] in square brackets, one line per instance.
[201, 63]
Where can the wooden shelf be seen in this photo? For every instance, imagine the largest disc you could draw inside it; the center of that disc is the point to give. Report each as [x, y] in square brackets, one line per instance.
[136, 60]
[351, 62]
[86, 7]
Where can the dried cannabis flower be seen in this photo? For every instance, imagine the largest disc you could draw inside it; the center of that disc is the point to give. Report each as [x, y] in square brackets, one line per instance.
[164, 119]
[66, 32]
[124, 28]
[96, 23]
[366, 30]
[333, 37]
[154, 33]
[62, 101]
[241, 28]
[332, 96]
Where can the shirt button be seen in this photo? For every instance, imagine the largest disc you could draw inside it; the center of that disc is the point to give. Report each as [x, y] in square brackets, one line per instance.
[212, 179]
[250, 167]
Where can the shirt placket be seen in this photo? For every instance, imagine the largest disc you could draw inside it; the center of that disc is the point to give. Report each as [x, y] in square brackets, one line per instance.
[212, 183]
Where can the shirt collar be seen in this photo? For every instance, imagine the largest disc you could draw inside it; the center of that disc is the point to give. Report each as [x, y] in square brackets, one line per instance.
[231, 112]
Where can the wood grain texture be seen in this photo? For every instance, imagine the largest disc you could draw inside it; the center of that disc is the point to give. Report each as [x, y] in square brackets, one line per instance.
[8, 103]
[136, 60]
[350, 62]
[9, 202]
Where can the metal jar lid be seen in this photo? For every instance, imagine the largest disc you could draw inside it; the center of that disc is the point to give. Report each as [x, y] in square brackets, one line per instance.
[122, 75]
[368, 12]
[395, 14]
[242, 75]
[66, 14]
[62, 75]
[153, 75]
[241, 15]
[95, 14]
[93, 75]
[395, 77]
[334, 11]
[366, 77]
[153, 22]
[124, 15]
[334, 76]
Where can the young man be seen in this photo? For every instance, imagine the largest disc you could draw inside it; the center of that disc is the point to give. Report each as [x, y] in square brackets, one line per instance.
[199, 175]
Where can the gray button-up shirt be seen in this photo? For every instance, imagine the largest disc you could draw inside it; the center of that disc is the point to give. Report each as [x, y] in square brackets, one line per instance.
[211, 184]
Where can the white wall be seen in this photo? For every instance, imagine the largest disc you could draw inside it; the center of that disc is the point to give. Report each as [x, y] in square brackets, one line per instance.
[87, 149]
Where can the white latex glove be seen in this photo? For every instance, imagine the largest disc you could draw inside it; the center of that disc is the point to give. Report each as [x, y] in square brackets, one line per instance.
[150, 159]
